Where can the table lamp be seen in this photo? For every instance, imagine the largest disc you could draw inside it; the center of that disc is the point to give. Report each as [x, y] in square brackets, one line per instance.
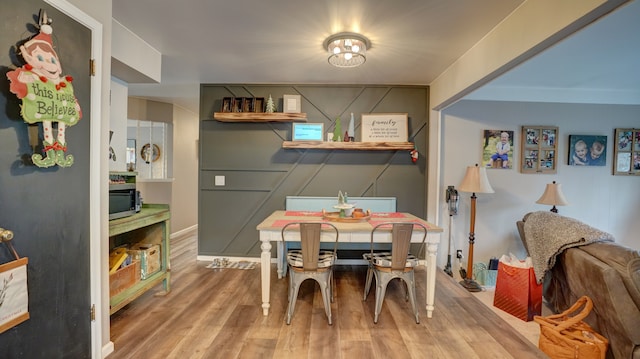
[474, 181]
[553, 196]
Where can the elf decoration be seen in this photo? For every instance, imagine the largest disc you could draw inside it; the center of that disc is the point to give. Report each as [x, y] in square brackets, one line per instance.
[414, 155]
[47, 96]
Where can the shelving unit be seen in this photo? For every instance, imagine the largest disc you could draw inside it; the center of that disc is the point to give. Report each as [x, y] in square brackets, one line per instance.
[259, 117]
[150, 225]
[353, 146]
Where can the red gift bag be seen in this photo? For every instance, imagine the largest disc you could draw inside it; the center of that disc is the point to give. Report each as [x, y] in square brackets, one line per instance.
[517, 292]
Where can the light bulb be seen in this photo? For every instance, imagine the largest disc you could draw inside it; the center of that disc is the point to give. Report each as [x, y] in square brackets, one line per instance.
[347, 56]
[336, 50]
[355, 48]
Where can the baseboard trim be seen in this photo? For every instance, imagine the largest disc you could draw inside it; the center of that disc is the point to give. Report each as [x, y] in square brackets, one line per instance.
[107, 349]
[189, 231]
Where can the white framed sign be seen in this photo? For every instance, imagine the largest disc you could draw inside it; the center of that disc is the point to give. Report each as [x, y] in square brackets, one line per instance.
[385, 127]
[308, 132]
[291, 103]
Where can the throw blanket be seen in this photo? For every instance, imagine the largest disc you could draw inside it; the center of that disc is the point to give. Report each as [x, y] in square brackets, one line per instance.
[548, 234]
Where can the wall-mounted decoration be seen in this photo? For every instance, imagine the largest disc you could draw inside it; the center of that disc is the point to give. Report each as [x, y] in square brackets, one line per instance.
[626, 159]
[150, 153]
[14, 292]
[112, 152]
[47, 95]
[587, 150]
[307, 132]
[291, 103]
[385, 127]
[497, 149]
[539, 152]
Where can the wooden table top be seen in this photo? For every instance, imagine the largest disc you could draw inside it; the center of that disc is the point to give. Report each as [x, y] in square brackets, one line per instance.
[278, 219]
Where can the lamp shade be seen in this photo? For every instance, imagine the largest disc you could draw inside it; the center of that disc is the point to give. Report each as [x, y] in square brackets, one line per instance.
[553, 195]
[475, 180]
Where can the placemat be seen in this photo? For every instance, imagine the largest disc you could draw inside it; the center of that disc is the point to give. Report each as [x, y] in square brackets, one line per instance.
[303, 213]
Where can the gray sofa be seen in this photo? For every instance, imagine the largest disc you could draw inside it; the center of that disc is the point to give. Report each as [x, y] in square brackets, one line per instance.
[609, 274]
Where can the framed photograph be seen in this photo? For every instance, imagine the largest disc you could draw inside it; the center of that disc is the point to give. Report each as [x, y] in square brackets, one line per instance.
[227, 104]
[291, 103]
[14, 294]
[587, 150]
[385, 127]
[308, 132]
[626, 159]
[236, 106]
[539, 149]
[497, 150]
[247, 104]
[258, 104]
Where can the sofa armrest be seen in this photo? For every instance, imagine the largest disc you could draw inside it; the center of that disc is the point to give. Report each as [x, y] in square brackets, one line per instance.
[615, 315]
[520, 225]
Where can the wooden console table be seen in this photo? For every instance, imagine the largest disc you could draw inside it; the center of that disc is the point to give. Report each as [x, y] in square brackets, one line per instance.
[150, 225]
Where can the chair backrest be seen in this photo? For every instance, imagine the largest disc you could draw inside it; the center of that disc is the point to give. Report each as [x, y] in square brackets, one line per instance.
[310, 236]
[401, 233]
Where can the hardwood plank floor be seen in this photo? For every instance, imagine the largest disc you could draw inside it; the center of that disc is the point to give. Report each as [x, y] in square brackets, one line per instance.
[213, 313]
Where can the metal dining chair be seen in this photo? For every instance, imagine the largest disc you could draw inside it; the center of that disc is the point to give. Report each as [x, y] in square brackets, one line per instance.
[398, 263]
[311, 262]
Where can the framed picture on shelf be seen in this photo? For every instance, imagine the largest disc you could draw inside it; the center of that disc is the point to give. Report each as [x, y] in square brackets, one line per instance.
[247, 104]
[385, 127]
[539, 150]
[497, 150]
[258, 104]
[237, 104]
[587, 150]
[291, 103]
[227, 104]
[626, 158]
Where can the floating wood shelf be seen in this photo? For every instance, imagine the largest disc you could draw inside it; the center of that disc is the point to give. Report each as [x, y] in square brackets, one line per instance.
[354, 146]
[259, 117]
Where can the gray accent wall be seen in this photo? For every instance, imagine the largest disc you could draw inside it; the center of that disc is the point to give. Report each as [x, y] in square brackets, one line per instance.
[259, 173]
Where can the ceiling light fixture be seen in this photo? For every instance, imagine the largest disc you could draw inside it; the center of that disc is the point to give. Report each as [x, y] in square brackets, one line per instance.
[347, 49]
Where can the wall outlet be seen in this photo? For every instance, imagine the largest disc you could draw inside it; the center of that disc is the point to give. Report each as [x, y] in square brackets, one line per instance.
[219, 180]
[459, 254]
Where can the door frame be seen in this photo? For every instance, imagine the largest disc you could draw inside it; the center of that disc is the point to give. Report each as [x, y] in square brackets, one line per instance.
[95, 175]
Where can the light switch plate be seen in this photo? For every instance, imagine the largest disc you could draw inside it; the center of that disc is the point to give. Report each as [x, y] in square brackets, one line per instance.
[219, 180]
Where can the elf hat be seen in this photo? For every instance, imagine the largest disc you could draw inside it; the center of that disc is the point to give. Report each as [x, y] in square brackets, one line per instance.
[43, 37]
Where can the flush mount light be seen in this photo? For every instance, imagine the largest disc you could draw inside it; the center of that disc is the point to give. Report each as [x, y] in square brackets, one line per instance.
[347, 49]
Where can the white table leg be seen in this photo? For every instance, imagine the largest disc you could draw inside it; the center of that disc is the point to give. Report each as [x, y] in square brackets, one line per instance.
[432, 249]
[265, 269]
[281, 267]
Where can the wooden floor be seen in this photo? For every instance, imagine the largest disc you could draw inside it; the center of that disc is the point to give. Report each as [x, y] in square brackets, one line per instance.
[216, 313]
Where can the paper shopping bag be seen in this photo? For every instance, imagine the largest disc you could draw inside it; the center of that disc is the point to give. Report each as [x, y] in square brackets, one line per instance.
[517, 292]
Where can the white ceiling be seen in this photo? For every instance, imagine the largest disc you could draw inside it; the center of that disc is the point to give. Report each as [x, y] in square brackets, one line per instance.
[413, 41]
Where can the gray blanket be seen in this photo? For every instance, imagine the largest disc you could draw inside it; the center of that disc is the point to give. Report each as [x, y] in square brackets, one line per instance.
[548, 234]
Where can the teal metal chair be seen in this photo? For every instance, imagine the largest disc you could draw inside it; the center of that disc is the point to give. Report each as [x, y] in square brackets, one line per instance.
[311, 262]
[397, 263]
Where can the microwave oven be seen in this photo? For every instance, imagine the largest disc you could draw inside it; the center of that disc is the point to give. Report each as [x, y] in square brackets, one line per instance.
[123, 200]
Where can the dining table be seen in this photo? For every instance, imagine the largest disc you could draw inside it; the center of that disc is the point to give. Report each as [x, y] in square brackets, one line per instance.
[351, 230]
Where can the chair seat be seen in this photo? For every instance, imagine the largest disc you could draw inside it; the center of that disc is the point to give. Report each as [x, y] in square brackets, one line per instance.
[383, 259]
[326, 258]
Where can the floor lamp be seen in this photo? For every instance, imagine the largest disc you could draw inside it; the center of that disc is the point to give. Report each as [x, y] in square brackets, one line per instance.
[474, 181]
